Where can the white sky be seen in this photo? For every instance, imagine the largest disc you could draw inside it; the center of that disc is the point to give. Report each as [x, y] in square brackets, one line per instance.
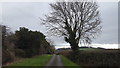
[26, 14]
[51, 0]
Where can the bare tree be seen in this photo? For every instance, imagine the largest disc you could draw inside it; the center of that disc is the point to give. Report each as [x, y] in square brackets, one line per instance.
[78, 22]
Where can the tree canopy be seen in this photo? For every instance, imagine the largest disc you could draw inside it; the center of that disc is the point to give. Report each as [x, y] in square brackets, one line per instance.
[78, 22]
[23, 43]
[32, 42]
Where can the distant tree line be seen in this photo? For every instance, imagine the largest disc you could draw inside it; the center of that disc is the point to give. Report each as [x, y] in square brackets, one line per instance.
[24, 43]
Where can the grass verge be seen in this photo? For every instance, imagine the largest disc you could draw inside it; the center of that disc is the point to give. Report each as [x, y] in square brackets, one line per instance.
[69, 64]
[35, 61]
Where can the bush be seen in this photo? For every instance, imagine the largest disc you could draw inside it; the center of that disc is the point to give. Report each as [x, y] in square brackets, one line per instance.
[65, 53]
[19, 53]
[6, 57]
[95, 57]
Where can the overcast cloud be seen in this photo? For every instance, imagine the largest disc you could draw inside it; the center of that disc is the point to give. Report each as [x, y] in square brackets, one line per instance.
[25, 14]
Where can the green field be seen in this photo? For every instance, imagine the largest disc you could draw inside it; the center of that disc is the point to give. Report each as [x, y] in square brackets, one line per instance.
[89, 49]
[35, 61]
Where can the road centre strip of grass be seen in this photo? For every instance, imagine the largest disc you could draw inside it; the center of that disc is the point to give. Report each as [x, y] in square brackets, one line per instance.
[35, 61]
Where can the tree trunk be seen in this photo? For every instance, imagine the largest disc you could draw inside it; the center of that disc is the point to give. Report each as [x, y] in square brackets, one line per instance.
[73, 42]
[74, 47]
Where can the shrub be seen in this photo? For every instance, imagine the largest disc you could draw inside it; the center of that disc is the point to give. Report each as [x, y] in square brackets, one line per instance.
[19, 53]
[95, 57]
[65, 53]
[6, 57]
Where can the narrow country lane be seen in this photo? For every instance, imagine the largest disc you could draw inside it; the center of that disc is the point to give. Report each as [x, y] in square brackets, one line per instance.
[55, 62]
